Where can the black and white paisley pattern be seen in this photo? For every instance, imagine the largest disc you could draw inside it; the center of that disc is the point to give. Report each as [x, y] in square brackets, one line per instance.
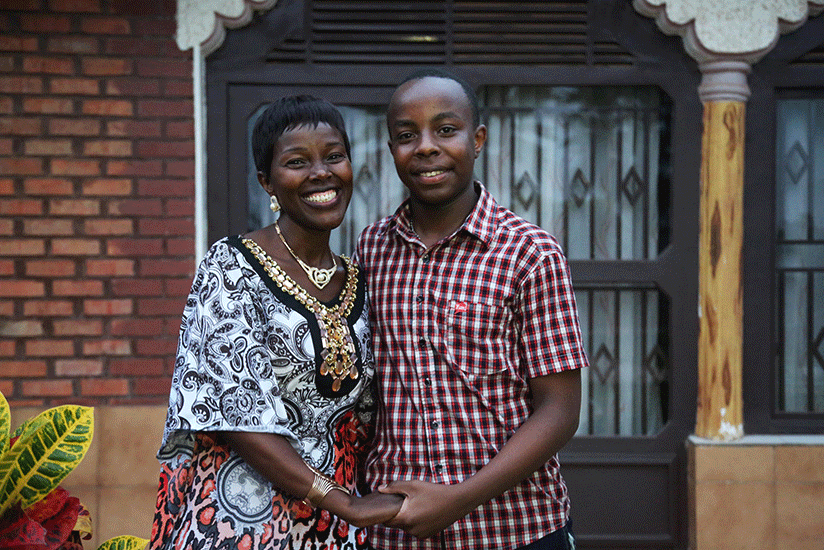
[247, 361]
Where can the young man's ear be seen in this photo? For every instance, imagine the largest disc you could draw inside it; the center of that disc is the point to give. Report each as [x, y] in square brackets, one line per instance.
[480, 139]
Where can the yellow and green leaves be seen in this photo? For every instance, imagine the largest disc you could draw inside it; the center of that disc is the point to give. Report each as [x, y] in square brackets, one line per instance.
[48, 448]
[124, 542]
[5, 424]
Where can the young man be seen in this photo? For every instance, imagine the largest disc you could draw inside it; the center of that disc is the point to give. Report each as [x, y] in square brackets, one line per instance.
[477, 344]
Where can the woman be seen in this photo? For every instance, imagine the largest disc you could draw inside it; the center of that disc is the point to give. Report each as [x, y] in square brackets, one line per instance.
[271, 395]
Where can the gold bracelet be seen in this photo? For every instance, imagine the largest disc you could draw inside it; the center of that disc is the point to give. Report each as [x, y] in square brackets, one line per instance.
[321, 486]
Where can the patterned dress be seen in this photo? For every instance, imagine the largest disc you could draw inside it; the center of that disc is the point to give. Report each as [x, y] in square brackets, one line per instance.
[248, 360]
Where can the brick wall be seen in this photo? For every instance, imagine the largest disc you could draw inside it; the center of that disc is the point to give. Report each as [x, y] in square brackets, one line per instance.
[96, 200]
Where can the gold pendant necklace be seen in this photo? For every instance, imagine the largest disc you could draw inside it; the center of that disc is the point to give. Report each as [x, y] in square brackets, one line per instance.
[320, 277]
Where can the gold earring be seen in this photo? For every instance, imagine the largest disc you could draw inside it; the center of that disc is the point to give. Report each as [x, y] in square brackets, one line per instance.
[273, 204]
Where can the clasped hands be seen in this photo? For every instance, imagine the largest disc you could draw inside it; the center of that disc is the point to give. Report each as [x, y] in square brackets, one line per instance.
[427, 508]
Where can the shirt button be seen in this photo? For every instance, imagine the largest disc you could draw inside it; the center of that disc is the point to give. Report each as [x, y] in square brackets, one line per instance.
[427, 381]
[422, 342]
[435, 424]
[419, 299]
[439, 468]
[425, 257]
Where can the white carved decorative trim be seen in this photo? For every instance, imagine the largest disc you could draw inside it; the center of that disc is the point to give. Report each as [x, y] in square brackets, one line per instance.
[717, 30]
[724, 81]
[204, 22]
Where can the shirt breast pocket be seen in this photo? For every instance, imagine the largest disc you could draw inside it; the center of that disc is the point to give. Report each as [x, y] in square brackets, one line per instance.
[478, 336]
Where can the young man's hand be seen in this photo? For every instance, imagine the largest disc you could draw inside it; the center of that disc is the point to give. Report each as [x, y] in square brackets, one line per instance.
[428, 508]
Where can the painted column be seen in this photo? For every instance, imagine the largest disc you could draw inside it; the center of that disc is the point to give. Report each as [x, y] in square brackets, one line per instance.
[724, 92]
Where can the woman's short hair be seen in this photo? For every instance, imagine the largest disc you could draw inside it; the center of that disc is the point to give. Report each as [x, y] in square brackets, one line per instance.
[286, 114]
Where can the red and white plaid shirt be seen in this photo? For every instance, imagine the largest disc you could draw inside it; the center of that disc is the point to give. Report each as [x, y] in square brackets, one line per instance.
[459, 330]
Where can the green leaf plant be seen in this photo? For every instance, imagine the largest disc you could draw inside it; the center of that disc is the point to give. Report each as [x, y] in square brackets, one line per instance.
[35, 512]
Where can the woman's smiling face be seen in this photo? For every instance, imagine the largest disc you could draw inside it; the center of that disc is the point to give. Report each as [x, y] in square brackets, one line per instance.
[311, 176]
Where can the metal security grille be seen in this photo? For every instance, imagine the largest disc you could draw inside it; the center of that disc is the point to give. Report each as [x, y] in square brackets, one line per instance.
[800, 256]
[451, 32]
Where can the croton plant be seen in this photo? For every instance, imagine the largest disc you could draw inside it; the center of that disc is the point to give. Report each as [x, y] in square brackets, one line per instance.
[35, 512]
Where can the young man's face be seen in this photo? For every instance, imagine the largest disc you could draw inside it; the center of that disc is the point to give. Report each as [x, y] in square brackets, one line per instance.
[433, 139]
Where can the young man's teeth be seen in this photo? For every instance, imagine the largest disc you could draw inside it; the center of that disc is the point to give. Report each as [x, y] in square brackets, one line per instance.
[322, 197]
[432, 173]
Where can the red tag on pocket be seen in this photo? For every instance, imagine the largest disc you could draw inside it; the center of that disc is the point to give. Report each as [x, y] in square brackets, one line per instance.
[460, 307]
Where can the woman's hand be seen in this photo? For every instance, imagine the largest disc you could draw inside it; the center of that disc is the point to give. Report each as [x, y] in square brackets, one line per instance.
[363, 511]
[428, 508]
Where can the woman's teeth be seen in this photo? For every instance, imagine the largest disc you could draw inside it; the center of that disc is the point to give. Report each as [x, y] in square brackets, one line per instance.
[326, 196]
[432, 173]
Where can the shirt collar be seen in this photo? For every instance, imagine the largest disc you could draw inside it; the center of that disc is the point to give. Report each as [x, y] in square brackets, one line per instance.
[482, 221]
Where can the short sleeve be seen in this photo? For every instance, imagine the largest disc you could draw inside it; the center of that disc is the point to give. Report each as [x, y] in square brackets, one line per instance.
[550, 332]
[223, 378]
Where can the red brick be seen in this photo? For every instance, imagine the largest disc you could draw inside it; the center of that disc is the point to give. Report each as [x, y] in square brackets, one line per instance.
[6, 186]
[108, 148]
[74, 127]
[133, 86]
[106, 66]
[48, 308]
[47, 388]
[108, 227]
[162, 347]
[75, 167]
[49, 348]
[74, 207]
[7, 389]
[47, 226]
[136, 366]
[22, 247]
[17, 43]
[102, 386]
[78, 327]
[6, 307]
[50, 267]
[160, 306]
[75, 6]
[181, 286]
[6, 147]
[75, 247]
[7, 348]
[136, 207]
[160, 27]
[165, 226]
[76, 44]
[48, 105]
[20, 126]
[180, 207]
[166, 187]
[176, 130]
[21, 207]
[75, 86]
[182, 88]
[22, 5]
[108, 187]
[78, 367]
[134, 247]
[107, 307]
[21, 288]
[134, 168]
[166, 266]
[6, 268]
[70, 287]
[133, 128]
[180, 168]
[137, 327]
[6, 230]
[23, 369]
[107, 347]
[110, 268]
[48, 65]
[169, 108]
[21, 328]
[107, 107]
[158, 385]
[48, 186]
[106, 25]
[130, 46]
[136, 287]
[47, 147]
[167, 68]
[21, 84]
[166, 149]
[21, 166]
[181, 247]
[6, 105]
[41, 23]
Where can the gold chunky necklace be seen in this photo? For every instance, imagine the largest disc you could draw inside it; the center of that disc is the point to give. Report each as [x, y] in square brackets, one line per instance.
[320, 277]
[338, 351]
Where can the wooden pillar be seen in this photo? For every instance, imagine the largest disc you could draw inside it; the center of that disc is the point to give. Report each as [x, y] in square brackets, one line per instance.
[724, 92]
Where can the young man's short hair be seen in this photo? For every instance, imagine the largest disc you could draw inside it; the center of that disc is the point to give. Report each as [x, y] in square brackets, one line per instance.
[438, 72]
